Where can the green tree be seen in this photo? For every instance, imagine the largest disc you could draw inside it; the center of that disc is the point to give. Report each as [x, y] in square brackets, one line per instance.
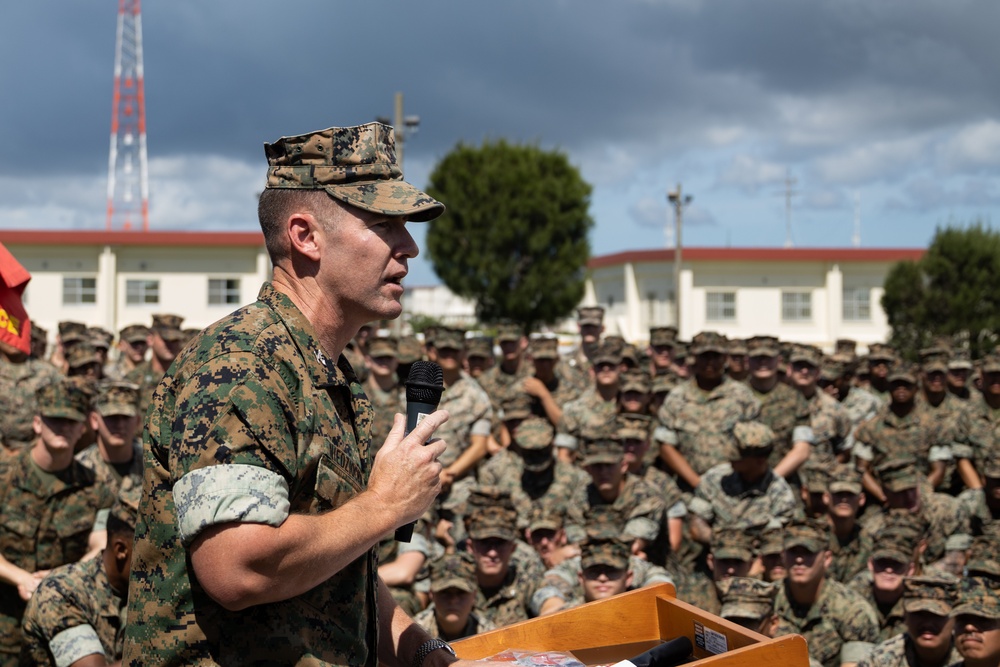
[514, 235]
[953, 291]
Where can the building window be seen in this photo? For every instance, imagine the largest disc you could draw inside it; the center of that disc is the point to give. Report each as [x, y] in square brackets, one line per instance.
[796, 306]
[720, 306]
[79, 290]
[857, 304]
[140, 292]
[223, 291]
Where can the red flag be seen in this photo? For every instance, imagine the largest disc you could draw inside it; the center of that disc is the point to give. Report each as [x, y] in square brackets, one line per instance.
[15, 329]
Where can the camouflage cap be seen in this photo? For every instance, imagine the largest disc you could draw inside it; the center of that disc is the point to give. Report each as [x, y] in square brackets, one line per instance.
[168, 327]
[601, 450]
[515, 405]
[763, 346]
[959, 360]
[430, 335]
[72, 332]
[134, 333]
[609, 351]
[544, 348]
[934, 359]
[39, 333]
[811, 534]
[881, 352]
[662, 384]
[746, 597]
[633, 426]
[809, 354]
[635, 380]
[898, 473]
[934, 592]
[629, 353]
[117, 399]
[126, 505]
[383, 346]
[545, 517]
[895, 543]
[409, 350]
[100, 337]
[738, 347]
[732, 543]
[590, 315]
[534, 433]
[991, 363]
[862, 367]
[709, 341]
[603, 522]
[454, 570]
[753, 438]
[490, 513]
[984, 556]
[355, 165]
[832, 369]
[480, 346]
[978, 596]
[666, 336]
[844, 478]
[509, 332]
[610, 552]
[815, 478]
[65, 398]
[446, 338]
[991, 467]
[771, 541]
[846, 347]
[903, 371]
[82, 353]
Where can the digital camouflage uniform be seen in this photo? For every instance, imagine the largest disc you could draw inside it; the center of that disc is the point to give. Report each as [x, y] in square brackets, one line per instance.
[385, 405]
[147, 378]
[584, 417]
[920, 434]
[471, 414]
[898, 651]
[501, 386]
[861, 405]
[115, 399]
[453, 571]
[47, 521]
[831, 427]
[849, 556]
[890, 621]
[254, 423]
[18, 407]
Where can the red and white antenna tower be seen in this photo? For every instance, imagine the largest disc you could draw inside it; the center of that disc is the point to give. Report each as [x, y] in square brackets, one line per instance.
[128, 178]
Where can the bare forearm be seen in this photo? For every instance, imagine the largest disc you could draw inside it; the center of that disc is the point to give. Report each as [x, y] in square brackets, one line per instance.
[474, 453]
[795, 457]
[11, 574]
[402, 571]
[969, 475]
[676, 462]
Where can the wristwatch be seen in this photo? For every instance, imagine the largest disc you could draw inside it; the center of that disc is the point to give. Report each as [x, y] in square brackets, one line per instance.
[426, 648]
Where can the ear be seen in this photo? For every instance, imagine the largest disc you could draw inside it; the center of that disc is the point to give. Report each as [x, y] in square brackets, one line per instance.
[305, 235]
[93, 419]
[628, 579]
[36, 424]
[710, 561]
[827, 559]
[827, 499]
[861, 499]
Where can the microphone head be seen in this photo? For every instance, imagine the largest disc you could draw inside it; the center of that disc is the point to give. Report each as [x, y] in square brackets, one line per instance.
[425, 383]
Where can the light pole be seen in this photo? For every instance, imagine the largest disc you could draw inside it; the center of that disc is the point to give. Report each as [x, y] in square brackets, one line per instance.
[679, 201]
[403, 127]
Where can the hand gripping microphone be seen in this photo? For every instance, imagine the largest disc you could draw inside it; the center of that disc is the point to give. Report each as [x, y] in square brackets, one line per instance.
[424, 387]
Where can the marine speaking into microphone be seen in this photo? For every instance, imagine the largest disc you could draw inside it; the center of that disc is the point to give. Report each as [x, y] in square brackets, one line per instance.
[424, 387]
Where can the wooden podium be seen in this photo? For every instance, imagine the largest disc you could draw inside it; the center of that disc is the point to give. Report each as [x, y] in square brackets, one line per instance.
[623, 626]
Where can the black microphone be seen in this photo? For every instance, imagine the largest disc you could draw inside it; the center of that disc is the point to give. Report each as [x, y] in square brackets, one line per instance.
[424, 387]
[668, 654]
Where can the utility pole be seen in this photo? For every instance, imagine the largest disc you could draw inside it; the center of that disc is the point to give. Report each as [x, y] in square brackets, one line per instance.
[403, 127]
[679, 201]
[856, 236]
[789, 182]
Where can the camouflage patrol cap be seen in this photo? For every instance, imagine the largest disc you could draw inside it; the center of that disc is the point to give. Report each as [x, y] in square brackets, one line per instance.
[960, 360]
[39, 333]
[609, 351]
[355, 165]
[732, 543]
[896, 542]
[383, 346]
[455, 570]
[126, 505]
[662, 384]
[82, 353]
[666, 336]
[430, 335]
[753, 439]
[491, 513]
[168, 326]
[934, 359]
[507, 333]
[771, 541]
[738, 347]
[72, 332]
[446, 338]
[763, 346]
[544, 348]
[603, 522]
[811, 534]
[65, 398]
[984, 556]
[544, 517]
[991, 467]
[601, 450]
[815, 478]
[630, 354]
[590, 315]
[844, 478]
[633, 426]
[833, 369]
[991, 363]
[635, 380]
[846, 347]
[534, 433]
[898, 473]
[100, 337]
[134, 333]
[610, 552]
[708, 341]
[809, 354]
[480, 346]
[409, 350]
[934, 592]
[881, 352]
[978, 596]
[746, 597]
[117, 399]
[903, 371]
[515, 405]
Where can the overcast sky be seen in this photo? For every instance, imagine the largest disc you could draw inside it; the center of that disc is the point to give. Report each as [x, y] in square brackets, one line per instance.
[885, 109]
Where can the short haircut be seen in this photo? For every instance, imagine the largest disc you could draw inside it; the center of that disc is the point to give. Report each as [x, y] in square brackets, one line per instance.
[117, 526]
[273, 208]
